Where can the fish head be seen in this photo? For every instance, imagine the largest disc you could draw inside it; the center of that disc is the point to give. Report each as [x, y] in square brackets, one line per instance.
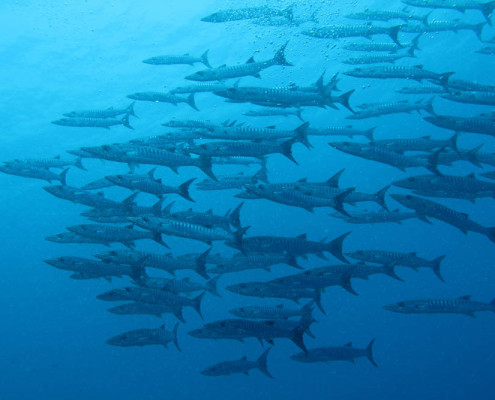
[55, 262]
[114, 295]
[410, 183]
[201, 333]
[400, 307]
[227, 92]
[405, 199]
[203, 75]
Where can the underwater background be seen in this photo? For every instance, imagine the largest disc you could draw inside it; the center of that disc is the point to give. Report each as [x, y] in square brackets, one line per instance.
[72, 55]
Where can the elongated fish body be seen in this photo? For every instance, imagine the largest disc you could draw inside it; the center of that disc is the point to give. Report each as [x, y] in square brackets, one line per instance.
[428, 208]
[347, 131]
[34, 172]
[250, 68]
[489, 175]
[462, 305]
[345, 31]
[190, 123]
[178, 228]
[244, 149]
[410, 260]
[373, 46]
[70, 237]
[202, 87]
[294, 246]
[424, 89]
[242, 366]
[344, 353]
[109, 234]
[484, 126]
[384, 15]
[377, 110]
[93, 122]
[186, 59]
[146, 337]
[239, 14]
[277, 312]
[152, 296]
[425, 143]
[143, 309]
[449, 185]
[80, 196]
[98, 184]
[379, 217]
[380, 154]
[490, 50]
[179, 286]
[274, 112]
[56, 162]
[91, 269]
[237, 160]
[243, 263]
[160, 97]
[376, 59]
[483, 98]
[210, 220]
[469, 86]
[233, 182]
[443, 26]
[461, 5]
[417, 73]
[107, 113]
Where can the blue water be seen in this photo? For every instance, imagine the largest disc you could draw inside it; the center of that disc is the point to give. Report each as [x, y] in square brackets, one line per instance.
[63, 56]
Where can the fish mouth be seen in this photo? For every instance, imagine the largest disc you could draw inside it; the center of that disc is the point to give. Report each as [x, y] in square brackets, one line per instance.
[391, 307]
[54, 262]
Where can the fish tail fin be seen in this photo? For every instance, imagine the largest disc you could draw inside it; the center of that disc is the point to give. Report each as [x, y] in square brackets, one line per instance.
[472, 156]
[192, 102]
[157, 237]
[487, 10]
[335, 247]
[368, 133]
[433, 161]
[297, 337]
[443, 79]
[279, 57]
[344, 99]
[205, 166]
[261, 363]
[174, 332]
[317, 300]
[261, 175]
[235, 217]
[453, 142]
[389, 269]
[478, 29]
[204, 59]
[435, 266]
[301, 133]
[289, 13]
[307, 309]
[490, 234]
[78, 164]
[292, 261]
[196, 304]
[314, 17]
[286, 150]
[200, 267]
[415, 42]
[184, 189]
[380, 197]
[345, 281]
[429, 106]
[178, 314]
[299, 114]
[493, 305]
[339, 202]
[393, 32]
[238, 237]
[130, 109]
[424, 20]
[369, 353]
[63, 177]
[211, 286]
[125, 121]
[138, 272]
[410, 51]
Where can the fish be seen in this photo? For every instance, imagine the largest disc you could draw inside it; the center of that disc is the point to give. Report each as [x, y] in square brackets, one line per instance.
[424, 89]
[484, 126]
[233, 181]
[430, 209]
[186, 59]
[298, 246]
[150, 184]
[386, 15]
[489, 50]
[239, 14]
[443, 26]
[249, 262]
[346, 31]
[160, 97]
[138, 308]
[273, 313]
[146, 337]
[97, 184]
[410, 260]
[379, 58]
[482, 98]
[390, 47]
[242, 366]
[283, 112]
[250, 68]
[36, 173]
[404, 106]
[109, 234]
[377, 217]
[424, 143]
[47, 163]
[347, 131]
[105, 123]
[179, 286]
[461, 305]
[201, 87]
[109, 112]
[459, 5]
[343, 353]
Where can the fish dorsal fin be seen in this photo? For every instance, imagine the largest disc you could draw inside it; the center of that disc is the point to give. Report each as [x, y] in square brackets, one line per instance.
[467, 297]
[270, 127]
[57, 157]
[222, 66]
[302, 236]
[244, 358]
[251, 60]
[130, 226]
[413, 253]
[210, 211]
[334, 180]
[348, 344]
[162, 327]
[187, 279]
[279, 306]
[151, 173]
[159, 180]
[425, 137]
[101, 194]
[418, 66]
[471, 175]
[302, 180]
[110, 108]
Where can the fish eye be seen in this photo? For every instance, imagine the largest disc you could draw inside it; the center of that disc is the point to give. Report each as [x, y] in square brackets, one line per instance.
[411, 179]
